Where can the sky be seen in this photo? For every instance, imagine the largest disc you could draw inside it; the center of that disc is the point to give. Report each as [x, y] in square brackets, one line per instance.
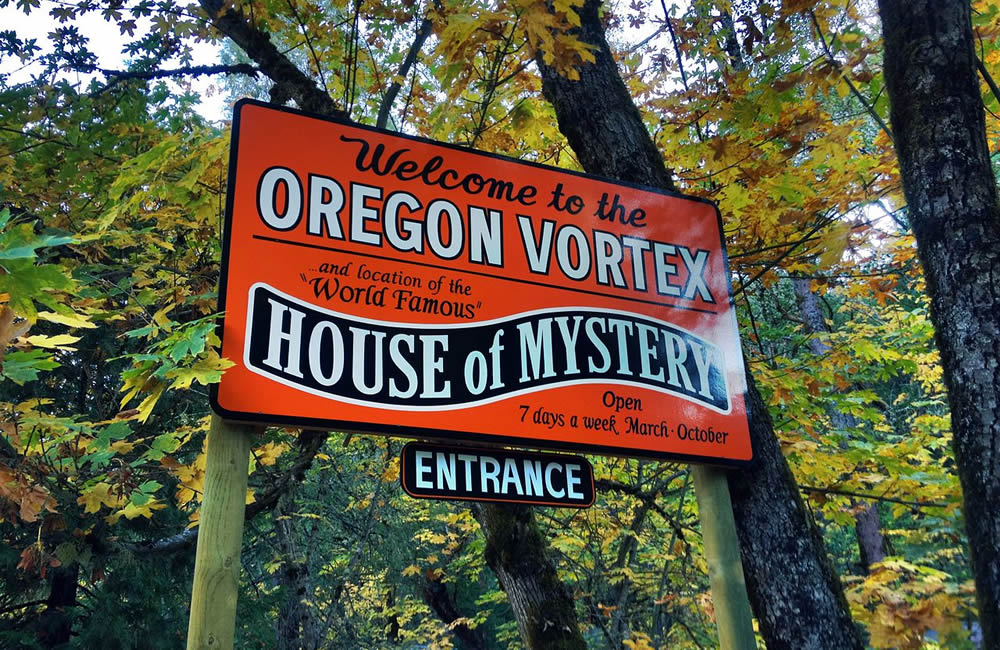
[106, 42]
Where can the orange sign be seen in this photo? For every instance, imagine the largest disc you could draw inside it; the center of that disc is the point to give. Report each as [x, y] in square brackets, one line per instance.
[383, 283]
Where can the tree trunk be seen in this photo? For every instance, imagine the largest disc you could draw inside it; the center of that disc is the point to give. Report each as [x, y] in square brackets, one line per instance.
[297, 627]
[439, 599]
[940, 135]
[55, 624]
[871, 543]
[518, 554]
[794, 591]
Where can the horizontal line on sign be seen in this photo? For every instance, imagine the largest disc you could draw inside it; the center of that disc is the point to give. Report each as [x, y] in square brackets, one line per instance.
[442, 267]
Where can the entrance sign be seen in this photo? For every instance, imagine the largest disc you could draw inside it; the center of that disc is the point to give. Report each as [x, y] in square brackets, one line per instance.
[382, 283]
[465, 473]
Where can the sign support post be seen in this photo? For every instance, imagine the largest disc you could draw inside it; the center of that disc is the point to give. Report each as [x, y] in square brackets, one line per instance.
[212, 622]
[722, 551]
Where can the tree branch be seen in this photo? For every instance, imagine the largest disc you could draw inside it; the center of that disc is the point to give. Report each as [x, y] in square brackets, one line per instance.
[988, 78]
[289, 81]
[873, 497]
[31, 603]
[854, 91]
[648, 498]
[118, 76]
[310, 443]
[788, 251]
[423, 31]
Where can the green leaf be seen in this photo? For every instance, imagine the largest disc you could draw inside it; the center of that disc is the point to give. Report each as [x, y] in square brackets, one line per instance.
[28, 250]
[25, 282]
[191, 341]
[150, 486]
[22, 366]
[111, 433]
[66, 552]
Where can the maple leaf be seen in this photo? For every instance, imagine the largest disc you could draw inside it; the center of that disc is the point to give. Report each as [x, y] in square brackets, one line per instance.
[9, 330]
[718, 146]
[206, 370]
[23, 366]
[268, 453]
[133, 510]
[94, 497]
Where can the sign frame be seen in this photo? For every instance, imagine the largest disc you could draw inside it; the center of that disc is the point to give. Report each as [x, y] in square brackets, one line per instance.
[446, 435]
[498, 454]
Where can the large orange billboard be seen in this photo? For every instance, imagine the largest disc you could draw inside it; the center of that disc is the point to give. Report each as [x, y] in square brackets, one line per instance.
[381, 283]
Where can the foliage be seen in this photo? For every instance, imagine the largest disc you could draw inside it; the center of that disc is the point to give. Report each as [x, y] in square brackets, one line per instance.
[112, 191]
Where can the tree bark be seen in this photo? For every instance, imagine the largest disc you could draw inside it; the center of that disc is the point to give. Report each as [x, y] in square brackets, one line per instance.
[289, 81]
[518, 554]
[438, 598]
[795, 594]
[297, 628]
[868, 528]
[940, 135]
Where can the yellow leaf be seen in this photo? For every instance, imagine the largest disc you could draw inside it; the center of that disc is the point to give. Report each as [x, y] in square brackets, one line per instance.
[131, 511]
[146, 406]
[205, 371]
[309, 515]
[391, 473]
[267, 454]
[411, 570]
[58, 342]
[191, 480]
[160, 317]
[834, 243]
[92, 499]
[71, 320]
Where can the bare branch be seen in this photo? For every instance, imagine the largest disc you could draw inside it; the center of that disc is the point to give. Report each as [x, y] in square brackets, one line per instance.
[988, 78]
[423, 31]
[118, 76]
[873, 497]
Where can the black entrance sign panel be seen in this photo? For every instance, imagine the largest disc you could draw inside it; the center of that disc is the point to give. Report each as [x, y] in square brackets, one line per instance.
[475, 474]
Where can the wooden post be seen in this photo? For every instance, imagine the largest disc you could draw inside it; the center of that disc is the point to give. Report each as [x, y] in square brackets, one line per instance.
[220, 533]
[722, 551]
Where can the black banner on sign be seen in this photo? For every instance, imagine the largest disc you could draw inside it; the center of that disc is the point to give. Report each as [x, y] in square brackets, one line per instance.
[429, 367]
[466, 473]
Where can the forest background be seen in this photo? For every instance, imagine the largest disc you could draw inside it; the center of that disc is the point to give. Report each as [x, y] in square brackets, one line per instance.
[111, 197]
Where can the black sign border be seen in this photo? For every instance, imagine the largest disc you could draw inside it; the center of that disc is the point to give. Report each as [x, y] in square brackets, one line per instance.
[499, 452]
[445, 435]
